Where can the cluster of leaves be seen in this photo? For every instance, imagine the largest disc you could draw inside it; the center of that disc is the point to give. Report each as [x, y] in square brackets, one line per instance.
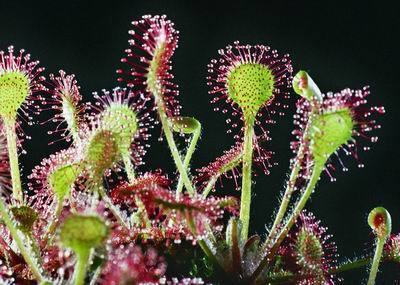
[90, 216]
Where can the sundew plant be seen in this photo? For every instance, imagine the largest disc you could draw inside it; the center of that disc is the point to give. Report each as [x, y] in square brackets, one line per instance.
[93, 214]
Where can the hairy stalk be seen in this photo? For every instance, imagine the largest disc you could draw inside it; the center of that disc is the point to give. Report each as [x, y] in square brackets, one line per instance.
[376, 260]
[291, 221]
[188, 157]
[287, 196]
[172, 145]
[83, 260]
[295, 171]
[114, 210]
[351, 265]
[210, 185]
[75, 137]
[348, 266]
[290, 186]
[312, 93]
[141, 212]
[9, 124]
[54, 222]
[96, 275]
[131, 177]
[73, 128]
[155, 87]
[245, 199]
[129, 169]
[230, 165]
[22, 245]
[203, 245]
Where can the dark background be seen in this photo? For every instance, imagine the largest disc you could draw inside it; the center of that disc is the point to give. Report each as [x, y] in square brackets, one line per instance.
[340, 44]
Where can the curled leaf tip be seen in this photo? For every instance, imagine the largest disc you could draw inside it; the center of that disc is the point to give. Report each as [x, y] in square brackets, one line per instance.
[304, 86]
[380, 221]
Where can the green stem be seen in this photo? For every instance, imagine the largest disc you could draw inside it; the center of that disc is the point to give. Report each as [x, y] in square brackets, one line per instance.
[96, 275]
[75, 138]
[203, 245]
[290, 278]
[301, 204]
[130, 171]
[245, 199]
[380, 243]
[172, 145]
[219, 269]
[292, 180]
[207, 251]
[230, 165]
[13, 157]
[188, 157]
[285, 200]
[156, 88]
[351, 265]
[210, 185]
[129, 168]
[114, 210]
[291, 221]
[83, 259]
[71, 115]
[22, 245]
[56, 218]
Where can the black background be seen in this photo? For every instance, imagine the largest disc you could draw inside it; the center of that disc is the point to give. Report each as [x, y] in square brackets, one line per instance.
[340, 44]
